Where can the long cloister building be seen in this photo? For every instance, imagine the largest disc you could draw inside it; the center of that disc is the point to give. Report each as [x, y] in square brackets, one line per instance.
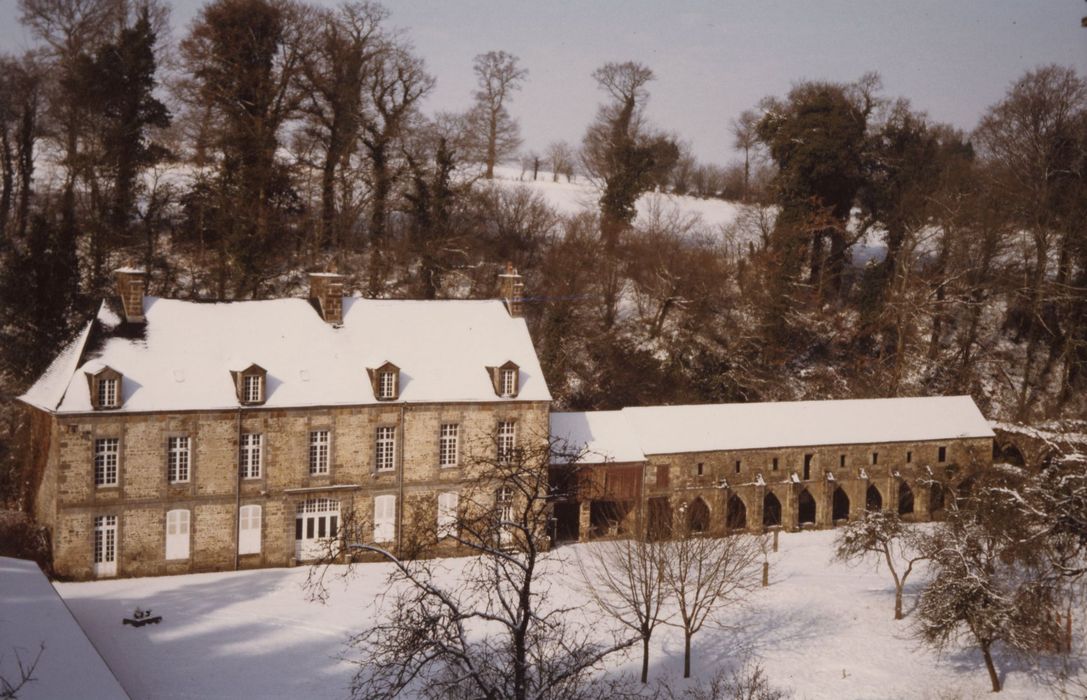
[176, 436]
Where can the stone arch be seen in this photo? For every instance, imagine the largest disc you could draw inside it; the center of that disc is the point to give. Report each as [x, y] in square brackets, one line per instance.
[805, 508]
[840, 504]
[1011, 454]
[698, 515]
[736, 518]
[771, 510]
[873, 499]
[905, 498]
[935, 497]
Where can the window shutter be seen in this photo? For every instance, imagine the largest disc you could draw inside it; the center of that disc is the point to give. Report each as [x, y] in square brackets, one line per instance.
[249, 524]
[177, 534]
[447, 513]
[384, 518]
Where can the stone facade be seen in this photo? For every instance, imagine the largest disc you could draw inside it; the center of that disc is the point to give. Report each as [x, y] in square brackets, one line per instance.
[68, 500]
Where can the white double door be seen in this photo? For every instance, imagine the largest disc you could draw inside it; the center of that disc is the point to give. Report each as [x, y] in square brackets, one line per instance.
[316, 524]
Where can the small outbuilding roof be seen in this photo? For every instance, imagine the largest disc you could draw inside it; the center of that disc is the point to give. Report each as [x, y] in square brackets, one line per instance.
[594, 437]
[749, 426]
[181, 357]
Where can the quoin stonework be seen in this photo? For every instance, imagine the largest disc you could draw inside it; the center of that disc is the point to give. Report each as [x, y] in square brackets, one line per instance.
[174, 437]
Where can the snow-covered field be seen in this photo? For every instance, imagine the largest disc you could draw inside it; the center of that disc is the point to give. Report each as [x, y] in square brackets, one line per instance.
[822, 629]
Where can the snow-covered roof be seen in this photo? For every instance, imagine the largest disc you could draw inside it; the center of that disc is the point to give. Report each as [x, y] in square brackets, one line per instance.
[181, 357]
[32, 615]
[748, 426]
[604, 436]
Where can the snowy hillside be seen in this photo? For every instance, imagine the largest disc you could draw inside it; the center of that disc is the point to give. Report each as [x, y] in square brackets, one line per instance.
[823, 629]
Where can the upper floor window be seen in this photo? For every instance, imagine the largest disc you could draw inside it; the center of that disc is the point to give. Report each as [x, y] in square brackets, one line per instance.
[105, 386]
[178, 460]
[385, 449]
[318, 451]
[506, 380]
[385, 381]
[875, 458]
[941, 454]
[774, 464]
[252, 454]
[106, 452]
[447, 445]
[251, 384]
[909, 456]
[507, 440]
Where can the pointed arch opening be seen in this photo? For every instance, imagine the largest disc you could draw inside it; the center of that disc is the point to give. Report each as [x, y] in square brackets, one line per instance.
[771, 510]
[873, 499]
[936, 497]
[736, 518]
[905, 499]
[805, 508]
[840, 505]
[698, 516]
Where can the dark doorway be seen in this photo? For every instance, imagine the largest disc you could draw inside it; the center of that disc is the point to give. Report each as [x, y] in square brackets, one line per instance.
[905, 499]
[805, 509]
[964, 489]
[737, 514]
[873, 501]
[698, 516]
[660, 519]
[567, 525]
[936, 497]
[771, 511]
[840, 505]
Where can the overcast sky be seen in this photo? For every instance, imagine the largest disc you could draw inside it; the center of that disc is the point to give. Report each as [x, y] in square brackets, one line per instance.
[714, 59]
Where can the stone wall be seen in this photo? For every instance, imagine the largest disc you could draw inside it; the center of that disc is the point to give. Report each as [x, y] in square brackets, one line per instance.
[214, 492]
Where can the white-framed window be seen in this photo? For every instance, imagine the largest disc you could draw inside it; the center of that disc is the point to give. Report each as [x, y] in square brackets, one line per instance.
[448, 438]
[507, 440]
[106, 455]
[252, 388]
[385, 449]
[386, 385]
[107, 393]
[447, 513]
[178, 459]
[249, 529]
[503, 501]
[509, 382]
[177, 534]
[318, 451]
[252, 455]
[384, 518]
[105, 545]
[316, 523]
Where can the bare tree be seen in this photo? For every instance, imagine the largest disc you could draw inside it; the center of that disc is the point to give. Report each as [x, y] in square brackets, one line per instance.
[746, 137]
[747, 683]
[489, 631]
[706, 574]
[498, 76]
[561, 157]
[10, 688]
[883, 534]
[626, 580]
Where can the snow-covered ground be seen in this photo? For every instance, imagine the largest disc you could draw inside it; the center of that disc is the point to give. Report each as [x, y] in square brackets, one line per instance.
[823, 629]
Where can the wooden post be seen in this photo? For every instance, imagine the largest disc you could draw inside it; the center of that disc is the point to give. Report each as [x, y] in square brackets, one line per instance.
[765, 574]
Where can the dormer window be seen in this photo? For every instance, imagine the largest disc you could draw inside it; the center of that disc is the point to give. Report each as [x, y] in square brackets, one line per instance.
[385, 381]
[105, 388]
[252, 388]
[251, 384]
[506, 380]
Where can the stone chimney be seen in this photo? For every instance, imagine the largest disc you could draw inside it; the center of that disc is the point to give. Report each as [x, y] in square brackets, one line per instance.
[512, 289]
[326, 290]
[131, 286]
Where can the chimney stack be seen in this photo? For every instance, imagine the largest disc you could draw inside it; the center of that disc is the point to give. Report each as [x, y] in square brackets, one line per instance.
[512, 288]
[326, 290]
[131, 287]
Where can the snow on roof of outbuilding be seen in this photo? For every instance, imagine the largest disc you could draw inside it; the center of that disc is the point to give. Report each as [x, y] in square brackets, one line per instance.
[33, 615]
[605, 436]
[749, 426]
[181, 357]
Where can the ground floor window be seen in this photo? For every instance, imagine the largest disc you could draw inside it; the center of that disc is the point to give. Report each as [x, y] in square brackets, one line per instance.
[249, 518]
[447, 513]
[316, 523]
[105, 545]
[177, 534]
[384, 518]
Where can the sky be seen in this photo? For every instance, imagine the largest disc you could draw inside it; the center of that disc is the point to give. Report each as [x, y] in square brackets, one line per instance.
[712, 59]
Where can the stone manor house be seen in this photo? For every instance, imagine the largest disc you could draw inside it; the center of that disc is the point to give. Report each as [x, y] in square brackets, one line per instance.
[176, 436]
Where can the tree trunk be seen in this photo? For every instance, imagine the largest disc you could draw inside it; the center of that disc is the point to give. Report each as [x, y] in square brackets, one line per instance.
[645, 659]
[898, 602]
[686, 654]
[993, 677]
